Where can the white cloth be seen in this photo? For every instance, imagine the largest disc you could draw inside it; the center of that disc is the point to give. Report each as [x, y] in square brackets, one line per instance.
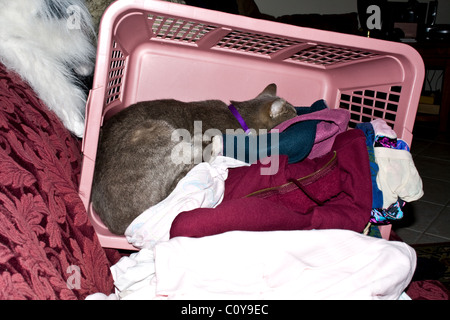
[315, 264]
[381, 128]
[397, 176]
[134, 276]
[202, 187]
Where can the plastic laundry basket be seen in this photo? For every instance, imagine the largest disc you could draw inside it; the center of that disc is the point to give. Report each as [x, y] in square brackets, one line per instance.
[150, 49]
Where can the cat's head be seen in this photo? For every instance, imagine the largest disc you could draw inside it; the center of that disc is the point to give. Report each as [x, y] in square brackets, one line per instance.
[265, 111]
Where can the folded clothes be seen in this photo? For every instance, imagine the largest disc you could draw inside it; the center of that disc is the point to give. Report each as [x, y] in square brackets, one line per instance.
[329, 192]
[332, 122]
[296, 143]
[310, 134]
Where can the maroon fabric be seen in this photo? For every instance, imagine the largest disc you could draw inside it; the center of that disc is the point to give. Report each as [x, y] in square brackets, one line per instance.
[48, 248]
[427, 290]
[244, 181]
[336, 194]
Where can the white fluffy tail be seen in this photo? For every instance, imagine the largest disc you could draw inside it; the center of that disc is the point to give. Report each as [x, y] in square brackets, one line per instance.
[45, 42]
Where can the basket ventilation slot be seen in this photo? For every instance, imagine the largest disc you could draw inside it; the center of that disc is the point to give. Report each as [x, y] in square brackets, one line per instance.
[367, 105]
[116, 69]
[328, 55]
[170, 28]
[254, 43]
[267, 46]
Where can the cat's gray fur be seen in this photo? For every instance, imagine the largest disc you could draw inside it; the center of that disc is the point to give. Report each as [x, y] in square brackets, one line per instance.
[134, 170]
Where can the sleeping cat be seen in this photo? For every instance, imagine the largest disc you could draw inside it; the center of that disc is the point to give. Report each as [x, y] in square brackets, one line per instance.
[135, 169]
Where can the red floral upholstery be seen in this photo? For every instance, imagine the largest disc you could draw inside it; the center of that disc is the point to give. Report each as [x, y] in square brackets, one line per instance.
[48, 248]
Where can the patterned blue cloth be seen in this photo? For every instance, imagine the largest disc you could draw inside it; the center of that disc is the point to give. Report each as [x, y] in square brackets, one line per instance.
[385, 216]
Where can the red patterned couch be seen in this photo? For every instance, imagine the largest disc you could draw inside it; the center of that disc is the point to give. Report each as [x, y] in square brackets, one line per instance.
[48, 248]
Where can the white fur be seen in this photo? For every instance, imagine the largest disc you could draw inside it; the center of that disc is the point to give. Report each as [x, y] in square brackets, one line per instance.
[44, 49]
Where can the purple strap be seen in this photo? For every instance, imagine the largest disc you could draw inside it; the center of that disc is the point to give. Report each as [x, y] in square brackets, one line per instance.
[239, 118]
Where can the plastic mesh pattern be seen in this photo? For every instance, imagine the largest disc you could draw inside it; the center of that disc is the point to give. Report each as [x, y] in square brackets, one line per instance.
[329, 55]
[369, 104]
[116, 70]
[254, 43]
[247, 42]
[171, 28]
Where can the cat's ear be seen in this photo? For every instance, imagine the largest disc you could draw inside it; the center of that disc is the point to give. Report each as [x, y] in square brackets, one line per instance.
[277, 108]
[271, 90]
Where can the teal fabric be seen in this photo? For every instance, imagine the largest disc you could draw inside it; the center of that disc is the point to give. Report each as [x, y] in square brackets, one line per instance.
[295, 142]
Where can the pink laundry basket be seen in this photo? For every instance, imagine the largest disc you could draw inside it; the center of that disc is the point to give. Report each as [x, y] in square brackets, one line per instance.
[149, 49]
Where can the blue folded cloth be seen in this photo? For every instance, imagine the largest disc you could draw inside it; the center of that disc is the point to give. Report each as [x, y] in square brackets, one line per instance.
[377, 194]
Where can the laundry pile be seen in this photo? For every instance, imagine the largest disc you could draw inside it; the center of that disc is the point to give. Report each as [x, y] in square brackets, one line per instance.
[329, 192]
[228, 231]
[395, 179]
[315, 264]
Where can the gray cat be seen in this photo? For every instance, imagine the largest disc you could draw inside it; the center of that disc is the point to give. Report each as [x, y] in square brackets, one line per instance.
[135, 167]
